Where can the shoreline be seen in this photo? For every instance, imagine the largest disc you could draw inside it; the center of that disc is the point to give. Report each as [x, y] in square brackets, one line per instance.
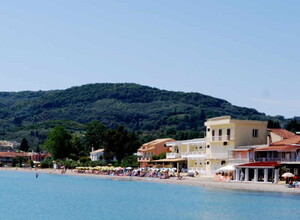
[188, 181]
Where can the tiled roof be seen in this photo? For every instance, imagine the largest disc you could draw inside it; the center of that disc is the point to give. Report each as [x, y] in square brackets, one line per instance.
[279, 148]
[260, 164]
[282, 132]
[292, 140]
[13, 154]
[152, 144]
[97, 151]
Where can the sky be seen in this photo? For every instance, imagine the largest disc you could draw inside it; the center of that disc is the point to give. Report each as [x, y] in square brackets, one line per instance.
[246, 52]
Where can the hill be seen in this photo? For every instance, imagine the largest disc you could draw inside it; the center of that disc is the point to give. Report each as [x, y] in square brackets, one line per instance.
[149, 111]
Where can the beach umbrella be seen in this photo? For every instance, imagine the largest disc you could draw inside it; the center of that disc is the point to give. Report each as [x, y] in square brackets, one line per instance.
[288, 175]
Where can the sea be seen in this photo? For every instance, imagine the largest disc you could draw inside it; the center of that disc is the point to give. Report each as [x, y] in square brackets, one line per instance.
[23, 196]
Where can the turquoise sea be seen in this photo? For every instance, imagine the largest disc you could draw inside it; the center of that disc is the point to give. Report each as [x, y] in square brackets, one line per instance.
[22, 196]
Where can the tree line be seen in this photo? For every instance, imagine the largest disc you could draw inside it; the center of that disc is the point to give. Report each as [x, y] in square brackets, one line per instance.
[117, 143]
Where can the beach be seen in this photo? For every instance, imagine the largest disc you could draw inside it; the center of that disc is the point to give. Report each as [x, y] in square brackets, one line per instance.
[191, 181]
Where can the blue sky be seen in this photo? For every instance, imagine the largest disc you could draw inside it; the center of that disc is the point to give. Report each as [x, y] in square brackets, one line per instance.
[246, 52]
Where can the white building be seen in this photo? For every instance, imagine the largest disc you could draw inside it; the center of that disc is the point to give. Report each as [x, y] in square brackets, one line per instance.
[96, 154]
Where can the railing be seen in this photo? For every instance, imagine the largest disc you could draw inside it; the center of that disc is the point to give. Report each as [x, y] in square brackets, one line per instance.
[240, 160]
[144, 159]
[217, 156]
[277, 159]
[221, 138]
[194, 154]
[173, 155]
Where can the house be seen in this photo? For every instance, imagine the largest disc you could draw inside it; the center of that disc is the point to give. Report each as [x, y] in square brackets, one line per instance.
[226, 136]
[9, 146]
[148, 150]
[270, 161]
[96, 154]
[188, 154]
[7, 157]
[227, 141]
[278, 134]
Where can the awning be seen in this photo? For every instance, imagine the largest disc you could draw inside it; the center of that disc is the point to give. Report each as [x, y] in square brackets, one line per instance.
[266, 164]
[229, 167]
[170, 160]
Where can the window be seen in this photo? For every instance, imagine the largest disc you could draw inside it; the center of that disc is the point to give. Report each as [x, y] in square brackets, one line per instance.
[213, 135]
[207, 162]
[220, 134]
[223, 162]
[228, 134]
[207, 146]
[255, 133]
[208, 129]
[225, 143]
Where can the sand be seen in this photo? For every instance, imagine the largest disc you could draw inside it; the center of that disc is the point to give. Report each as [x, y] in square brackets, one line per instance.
[192, 181]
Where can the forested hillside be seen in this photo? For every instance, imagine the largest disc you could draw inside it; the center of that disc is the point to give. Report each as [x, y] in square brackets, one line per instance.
[149, 111]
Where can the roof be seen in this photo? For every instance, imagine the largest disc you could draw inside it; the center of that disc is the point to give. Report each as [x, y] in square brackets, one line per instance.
[279, 148]
[191, 141]
[97, 151]
[260, 164]
[249, 147]
[13, 154]
[158, 141]
[282, 132]
[151, 145]
[170, 160]
[292, 140]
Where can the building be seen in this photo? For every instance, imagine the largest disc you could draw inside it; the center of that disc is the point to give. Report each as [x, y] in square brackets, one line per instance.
[7, 157]
[9, 146]
[271, 161]
[278, 134]
[96, 154]
[188, 154]
[148, 150]
[226, 136]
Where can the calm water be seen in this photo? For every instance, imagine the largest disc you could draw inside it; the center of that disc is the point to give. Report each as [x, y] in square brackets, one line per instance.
[22, 196]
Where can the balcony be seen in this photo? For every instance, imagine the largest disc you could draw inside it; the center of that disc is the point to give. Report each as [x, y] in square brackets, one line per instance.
[144, 159]
[217, 156]
[173, 155]
[240, 160]
[277, 159]
[221, 138]
[194, 154]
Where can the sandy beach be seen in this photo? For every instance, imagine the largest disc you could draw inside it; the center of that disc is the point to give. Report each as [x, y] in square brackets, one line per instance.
[191, 181]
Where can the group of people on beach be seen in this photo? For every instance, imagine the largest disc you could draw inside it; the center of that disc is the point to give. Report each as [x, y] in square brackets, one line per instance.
[138, 172]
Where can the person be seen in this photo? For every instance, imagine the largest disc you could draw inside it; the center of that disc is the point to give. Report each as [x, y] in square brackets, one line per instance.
[36, 175]
[242, 176]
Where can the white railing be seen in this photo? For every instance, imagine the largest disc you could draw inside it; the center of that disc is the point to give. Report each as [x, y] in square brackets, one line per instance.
[193, 154]
[240, 160]
[173, 155]
[221, 138]
[217, 156]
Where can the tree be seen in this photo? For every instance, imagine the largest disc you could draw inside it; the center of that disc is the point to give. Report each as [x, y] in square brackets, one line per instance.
[24, 145]
[293, 126]
[94, 135]
[78, 146]
[58, 143]
[120, 143]
[130, 161]
[273, 124]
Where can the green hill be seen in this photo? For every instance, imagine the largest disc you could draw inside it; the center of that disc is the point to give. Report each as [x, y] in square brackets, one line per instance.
[149, 111]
